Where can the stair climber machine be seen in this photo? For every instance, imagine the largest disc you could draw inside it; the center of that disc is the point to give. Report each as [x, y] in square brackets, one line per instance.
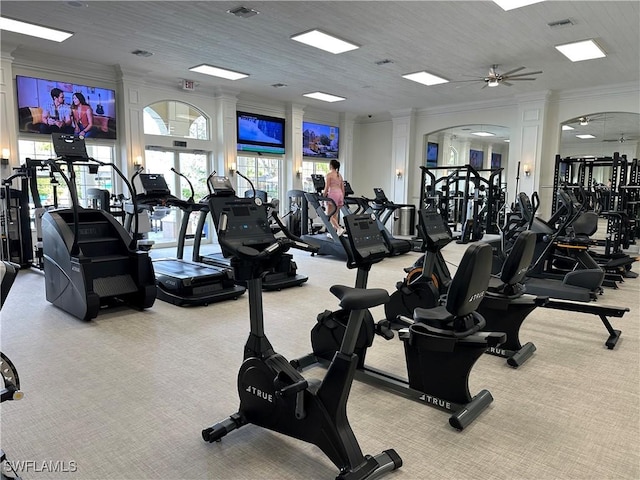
[273, 394]
[574, 293]
[441, 344]
[90, 260]
[179, 281]
[10, 388]
[282, 275]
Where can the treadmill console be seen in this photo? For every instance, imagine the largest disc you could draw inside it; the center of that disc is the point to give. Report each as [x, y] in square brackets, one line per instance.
[318, 182]
[434, 229]
[381, 198]
[244, 222]
[367, 245]
[221, 186]
[154, 184]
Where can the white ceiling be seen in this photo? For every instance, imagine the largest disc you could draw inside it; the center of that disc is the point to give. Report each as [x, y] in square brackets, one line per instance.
[454, 39]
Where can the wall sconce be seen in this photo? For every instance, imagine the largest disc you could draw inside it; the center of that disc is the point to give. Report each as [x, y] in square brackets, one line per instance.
[232, 168]
[527, 169]
[298, 173]
[5, 156]
[137, 165]
[398, 173]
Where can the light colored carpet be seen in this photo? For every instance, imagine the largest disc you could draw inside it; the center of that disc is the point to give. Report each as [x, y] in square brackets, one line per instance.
[126, 395]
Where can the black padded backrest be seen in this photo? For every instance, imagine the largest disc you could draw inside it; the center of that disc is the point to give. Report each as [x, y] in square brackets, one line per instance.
[470, 281]
[519, 260]
[8, 272]
[586, 224]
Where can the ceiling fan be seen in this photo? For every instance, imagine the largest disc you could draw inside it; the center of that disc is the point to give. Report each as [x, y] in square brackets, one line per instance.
[620, 139]
[494, 78]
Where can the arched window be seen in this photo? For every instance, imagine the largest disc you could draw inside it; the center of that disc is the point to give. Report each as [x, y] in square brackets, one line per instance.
[175, 119]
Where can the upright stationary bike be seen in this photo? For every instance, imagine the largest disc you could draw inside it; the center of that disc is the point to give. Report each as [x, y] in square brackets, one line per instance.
[273, 394]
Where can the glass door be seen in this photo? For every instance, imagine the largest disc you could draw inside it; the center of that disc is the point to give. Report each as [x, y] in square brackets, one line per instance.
[165, 222]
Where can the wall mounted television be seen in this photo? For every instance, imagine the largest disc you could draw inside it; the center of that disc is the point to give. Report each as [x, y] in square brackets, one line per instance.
[38, 113]
[496, 160]
[476, 158]
[260, 133]
[320, 140]
[432, 155]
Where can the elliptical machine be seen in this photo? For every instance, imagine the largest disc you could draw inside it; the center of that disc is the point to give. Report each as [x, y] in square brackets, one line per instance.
[273, 394]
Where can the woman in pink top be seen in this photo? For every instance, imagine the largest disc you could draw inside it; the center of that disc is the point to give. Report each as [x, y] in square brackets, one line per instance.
[334, 189]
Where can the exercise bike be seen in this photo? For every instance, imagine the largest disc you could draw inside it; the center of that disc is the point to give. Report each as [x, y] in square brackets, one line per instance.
[273, 394]
[441, 343]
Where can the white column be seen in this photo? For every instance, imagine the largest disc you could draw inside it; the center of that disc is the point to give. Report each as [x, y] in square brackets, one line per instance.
[528, 147]
[293, 148]
[8, 108]
[225, 134]
[403, 123]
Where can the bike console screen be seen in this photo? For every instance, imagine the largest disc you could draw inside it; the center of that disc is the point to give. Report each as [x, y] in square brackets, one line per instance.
[366, 241]
[245, 223]
[435, 230]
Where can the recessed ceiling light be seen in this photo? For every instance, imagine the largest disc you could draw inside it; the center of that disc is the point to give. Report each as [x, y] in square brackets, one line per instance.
[17, 26]
[142, 53]
[324, 41]
[425, 78]
[507, 141]
[511, 4]
[218, 72]
[583, 50]
[243, 12]
[325, 97]
[567, 127]
[483, 134]
[585, 135]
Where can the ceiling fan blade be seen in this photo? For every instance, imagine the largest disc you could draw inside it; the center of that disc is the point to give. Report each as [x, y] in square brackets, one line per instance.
[518, 79]
[512, 71]
[526, 74]
[503, 82]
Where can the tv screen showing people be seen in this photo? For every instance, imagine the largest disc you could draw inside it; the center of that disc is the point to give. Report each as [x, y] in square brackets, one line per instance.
[50, 106]
[320, 140]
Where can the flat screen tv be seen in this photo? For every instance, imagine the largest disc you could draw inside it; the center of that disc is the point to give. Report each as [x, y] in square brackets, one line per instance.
[320, 140]
[259, 133]
[476, 158]
[76, 109]
[496, 160]
[432, 155]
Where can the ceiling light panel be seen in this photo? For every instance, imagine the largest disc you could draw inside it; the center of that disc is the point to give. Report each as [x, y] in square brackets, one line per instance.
[483, 134]
[585, 135]
[324, 41]
[583, 50]
[425, 78]
[218, 72]
[513, 4]
[567, 127]
[325, 97]
[17, 26]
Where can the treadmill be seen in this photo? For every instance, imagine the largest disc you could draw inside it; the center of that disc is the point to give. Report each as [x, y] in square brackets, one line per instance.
[328, 242]
[179, 281]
